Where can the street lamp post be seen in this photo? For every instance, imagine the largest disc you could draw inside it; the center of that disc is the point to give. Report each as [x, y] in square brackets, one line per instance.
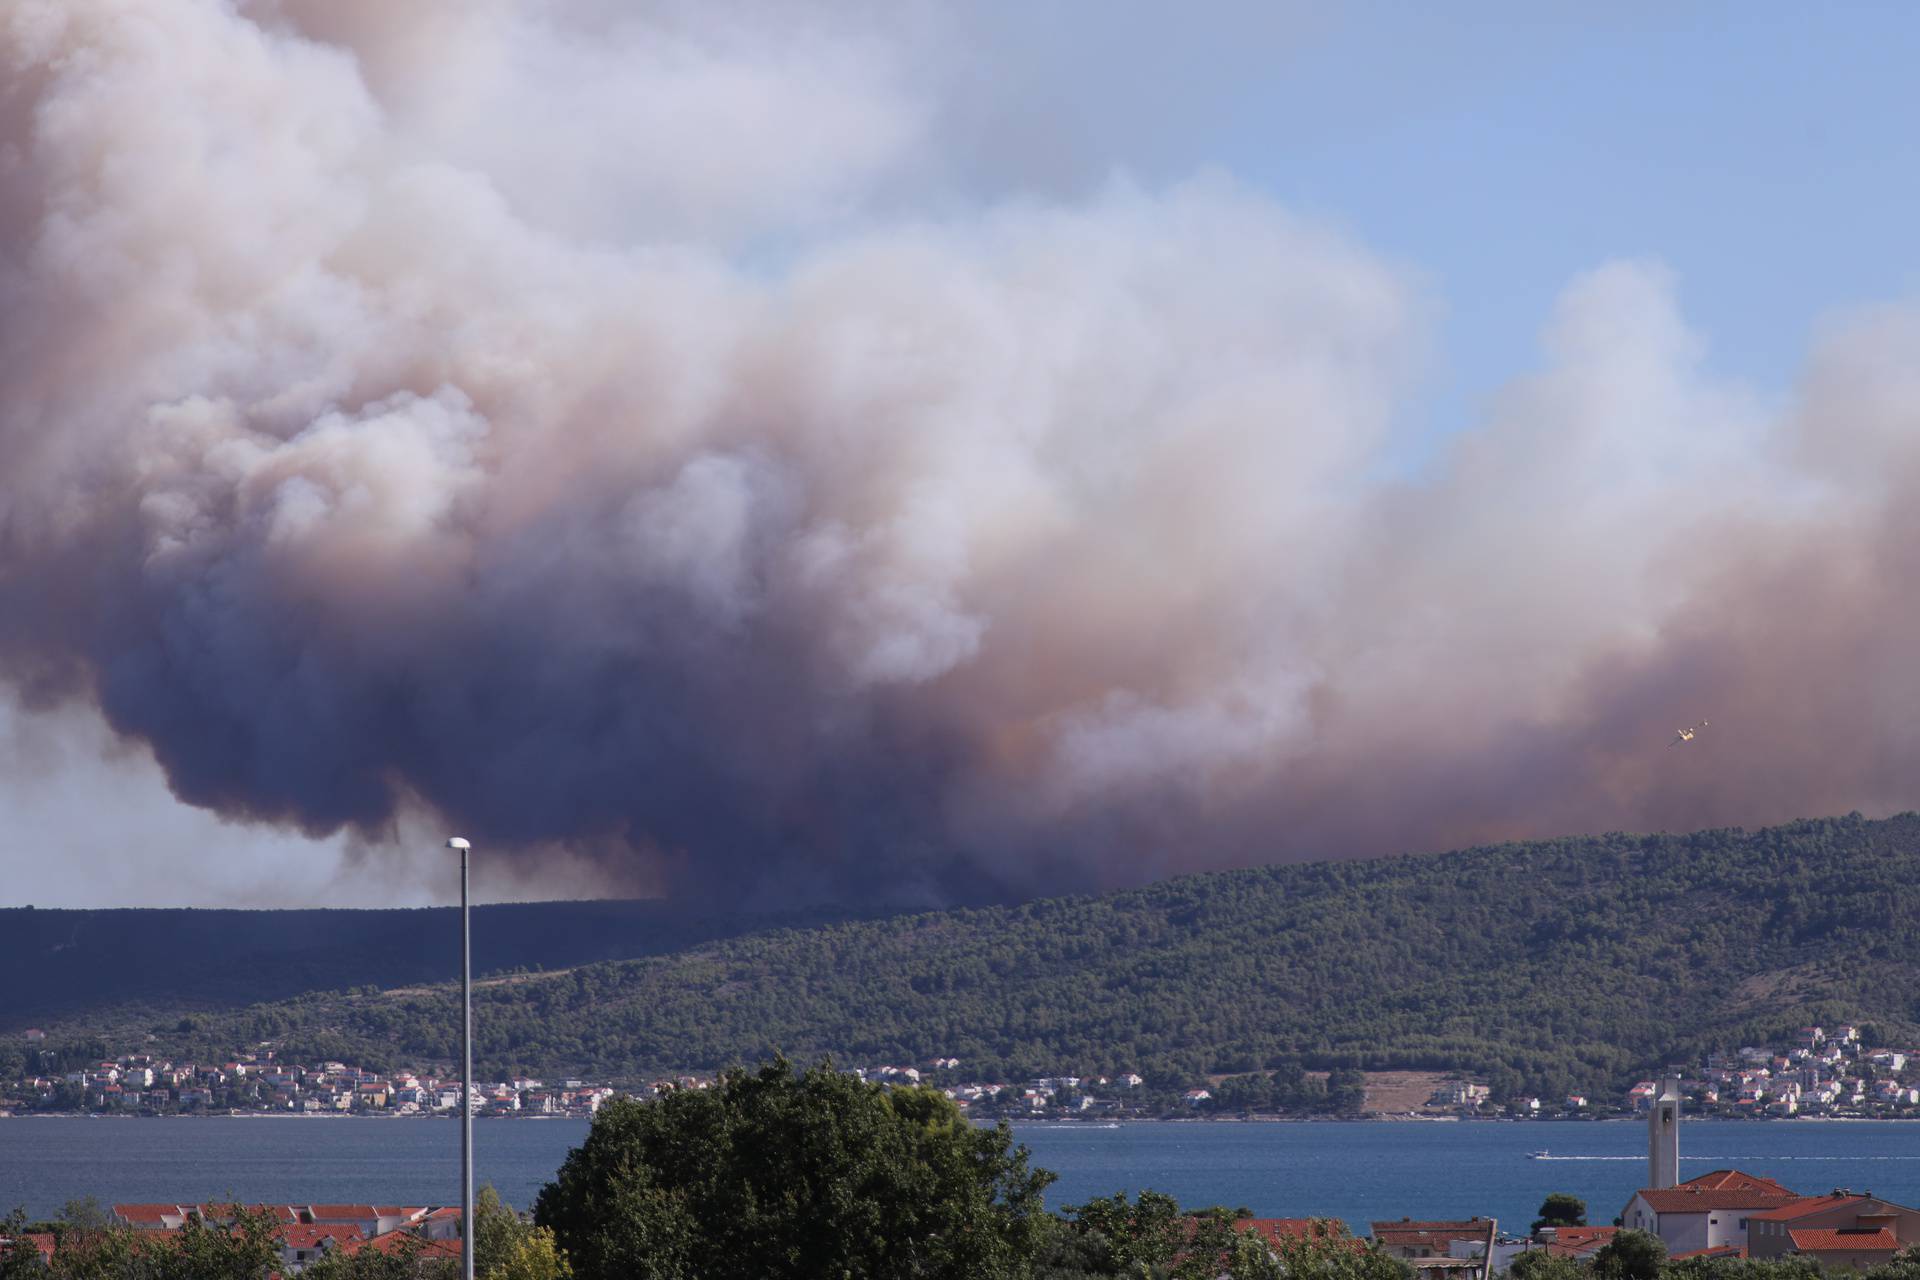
[466, 1067]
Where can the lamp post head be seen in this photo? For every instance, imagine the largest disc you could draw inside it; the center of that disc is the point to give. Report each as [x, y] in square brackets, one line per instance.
[458, 843]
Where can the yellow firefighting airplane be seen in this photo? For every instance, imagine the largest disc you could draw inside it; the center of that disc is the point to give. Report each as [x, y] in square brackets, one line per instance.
[1686, 735]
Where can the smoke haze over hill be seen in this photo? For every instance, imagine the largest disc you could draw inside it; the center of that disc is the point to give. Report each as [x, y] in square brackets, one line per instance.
[611, 431]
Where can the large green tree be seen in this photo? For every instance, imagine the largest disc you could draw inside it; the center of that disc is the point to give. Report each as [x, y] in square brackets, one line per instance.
[1560, 1209]
[1115, 1237]
[19, 1257]
[1538, 1264]
[239, 1245]
[1631, 1255]
[90, 1245]
[774, 1174]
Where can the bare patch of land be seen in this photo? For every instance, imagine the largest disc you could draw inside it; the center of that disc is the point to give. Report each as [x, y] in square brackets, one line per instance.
[1398, 1092]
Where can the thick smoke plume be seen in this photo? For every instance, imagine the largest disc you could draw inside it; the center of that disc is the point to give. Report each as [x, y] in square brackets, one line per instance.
[614, 432]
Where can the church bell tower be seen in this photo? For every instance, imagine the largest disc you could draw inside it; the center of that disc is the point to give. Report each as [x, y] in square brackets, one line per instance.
[1663, 1136]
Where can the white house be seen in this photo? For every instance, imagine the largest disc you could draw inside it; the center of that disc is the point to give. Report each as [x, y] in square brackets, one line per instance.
[1708, 1212]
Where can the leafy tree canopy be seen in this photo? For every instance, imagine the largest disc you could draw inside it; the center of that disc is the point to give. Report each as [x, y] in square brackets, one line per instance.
[1561, 1210]
[774, 1174]
[1630, 1255]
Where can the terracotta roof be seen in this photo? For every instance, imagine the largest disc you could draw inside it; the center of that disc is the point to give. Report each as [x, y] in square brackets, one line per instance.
[342, 1212]
[401, 1241]
[1697, 1200]
[1734, 1180]
[308, 1236]
[148, 1213]
[1575, 1242]
[41, 1240]
[1437, 1232]
[1801, 1206]
[1841, 1239]
[224, 1210]
[1278, 1229]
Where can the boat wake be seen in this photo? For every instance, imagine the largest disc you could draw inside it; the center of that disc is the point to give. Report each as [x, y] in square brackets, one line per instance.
[1725, 1159]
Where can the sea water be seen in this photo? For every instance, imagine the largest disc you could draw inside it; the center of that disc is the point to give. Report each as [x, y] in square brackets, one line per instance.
[1359, 1171]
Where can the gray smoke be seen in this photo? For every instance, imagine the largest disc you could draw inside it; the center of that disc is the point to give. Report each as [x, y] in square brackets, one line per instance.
[547, 418]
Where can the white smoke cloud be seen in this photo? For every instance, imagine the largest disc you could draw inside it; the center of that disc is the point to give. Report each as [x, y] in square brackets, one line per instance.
[554, 419]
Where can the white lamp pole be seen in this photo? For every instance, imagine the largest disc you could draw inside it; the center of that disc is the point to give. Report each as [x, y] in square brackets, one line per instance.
[466, 1067]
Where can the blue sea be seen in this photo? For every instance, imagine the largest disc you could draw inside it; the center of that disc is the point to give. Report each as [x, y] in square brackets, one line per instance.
[1359, 1171]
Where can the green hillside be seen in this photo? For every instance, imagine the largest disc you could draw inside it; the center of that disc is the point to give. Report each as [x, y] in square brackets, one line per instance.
[73, 962]
[1568, 963]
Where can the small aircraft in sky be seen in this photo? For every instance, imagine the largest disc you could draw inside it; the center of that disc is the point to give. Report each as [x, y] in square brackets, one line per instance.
[1686, 735]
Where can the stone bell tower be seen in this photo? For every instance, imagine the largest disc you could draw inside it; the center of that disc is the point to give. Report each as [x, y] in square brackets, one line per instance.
[1663, 1136]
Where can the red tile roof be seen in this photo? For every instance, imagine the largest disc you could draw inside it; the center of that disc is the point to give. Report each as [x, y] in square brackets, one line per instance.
[311, 1236]
[41, 1240]
[1278, 1229]
[1435, 1233]
[153, 1216]
[401, 1241]
[1576, 1242]
[1843, 1240]
[1734, 1180]
[148, 1214]
[1801, 1206]
[224, 1210]
[342, 1212]
[1698, 1200]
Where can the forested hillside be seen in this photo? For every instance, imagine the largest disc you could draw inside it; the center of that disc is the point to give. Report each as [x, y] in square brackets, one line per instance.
[64, 962]
[1552, 965]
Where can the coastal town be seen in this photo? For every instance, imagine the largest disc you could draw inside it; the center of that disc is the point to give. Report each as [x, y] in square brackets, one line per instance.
[1817, 1072]
[1725, 1213]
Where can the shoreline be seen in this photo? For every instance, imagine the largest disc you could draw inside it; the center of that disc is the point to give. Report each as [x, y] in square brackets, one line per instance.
[1063, 1122]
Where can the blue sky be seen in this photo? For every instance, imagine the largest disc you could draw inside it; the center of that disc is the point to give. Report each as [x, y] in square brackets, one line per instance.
[1764, 152]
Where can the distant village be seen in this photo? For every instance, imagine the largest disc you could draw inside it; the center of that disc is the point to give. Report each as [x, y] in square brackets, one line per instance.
[1819, 1073]
[257, 1082]
[1727, 1213]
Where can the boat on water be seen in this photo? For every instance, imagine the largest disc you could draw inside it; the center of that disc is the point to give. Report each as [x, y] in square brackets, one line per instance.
[1539, 1155]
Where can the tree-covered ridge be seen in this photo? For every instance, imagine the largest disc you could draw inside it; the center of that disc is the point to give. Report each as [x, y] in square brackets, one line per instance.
[1552, 965]
[203, 959]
